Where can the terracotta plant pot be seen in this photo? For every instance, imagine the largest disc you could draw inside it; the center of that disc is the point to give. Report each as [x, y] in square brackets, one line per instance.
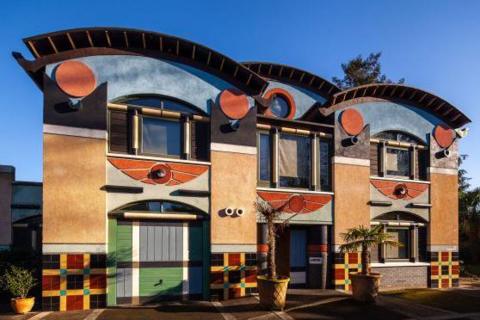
[272, 292]
[22, 305]
[365, 286]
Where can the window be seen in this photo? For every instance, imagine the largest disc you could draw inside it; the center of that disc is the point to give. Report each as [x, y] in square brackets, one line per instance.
[401, 252]
[294, 161]
[161, 137]
[280, 107]
[158, 206]
[160, 102]
[325, 165]
[265, 152]
[398, 155]
[397, 162]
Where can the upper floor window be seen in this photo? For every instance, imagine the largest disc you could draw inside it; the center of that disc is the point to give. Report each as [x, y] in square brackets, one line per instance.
[294, 161]
[286, 161]
[398, 155]
[183, 132]
[161, 137]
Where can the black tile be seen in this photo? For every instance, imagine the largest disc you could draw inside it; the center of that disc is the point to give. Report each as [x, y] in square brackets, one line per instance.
[98, 261]
[234, 277]
[51, 261]
[216, 259]
[74, 281]
[98, 301]
[51, 303]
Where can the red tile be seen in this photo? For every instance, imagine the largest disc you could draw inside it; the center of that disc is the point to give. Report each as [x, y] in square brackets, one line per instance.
[75, 261]
[98, 281]
[445, 283]
[434, 270]
[250, 276]
[234, 259]
[339, 274]
[51, 283]
[234, 293]
[444, 256]
[352, 257]
[74, 303]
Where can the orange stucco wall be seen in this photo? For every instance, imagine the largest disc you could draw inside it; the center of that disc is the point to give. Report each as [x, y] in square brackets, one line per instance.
[444, 211]
[233, 184]
[352, 193]
[73, 204]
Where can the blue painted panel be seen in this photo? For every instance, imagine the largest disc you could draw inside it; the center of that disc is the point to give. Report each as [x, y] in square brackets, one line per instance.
[195, 280]
[129, 75]
[386, 115]
[298, 248]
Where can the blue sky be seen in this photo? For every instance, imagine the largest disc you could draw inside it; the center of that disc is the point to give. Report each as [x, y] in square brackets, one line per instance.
[434, 45]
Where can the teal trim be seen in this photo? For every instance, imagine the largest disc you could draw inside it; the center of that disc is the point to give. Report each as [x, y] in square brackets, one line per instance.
[206, 260]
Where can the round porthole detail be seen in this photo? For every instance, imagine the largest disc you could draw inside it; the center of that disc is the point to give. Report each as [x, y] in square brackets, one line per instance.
[281, 104]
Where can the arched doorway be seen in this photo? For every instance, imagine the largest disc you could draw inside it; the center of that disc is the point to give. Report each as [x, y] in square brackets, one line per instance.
[157, 250]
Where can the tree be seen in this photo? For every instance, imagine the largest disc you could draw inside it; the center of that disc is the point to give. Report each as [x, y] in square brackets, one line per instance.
[364, 238]
[360, 71]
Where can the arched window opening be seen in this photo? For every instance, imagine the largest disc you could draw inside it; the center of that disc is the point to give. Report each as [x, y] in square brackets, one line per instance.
[161, 102]
[409, 230]
[182, 133]
[158, 206]
[398, 155]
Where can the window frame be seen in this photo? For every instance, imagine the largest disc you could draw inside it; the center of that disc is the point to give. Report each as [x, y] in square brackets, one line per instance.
[260, 182]
[410, 169]
[140, 136]
[309, 183]
[407, 246]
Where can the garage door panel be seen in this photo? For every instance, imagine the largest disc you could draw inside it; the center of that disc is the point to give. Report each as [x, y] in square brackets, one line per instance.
[161, 281]
[161, 242]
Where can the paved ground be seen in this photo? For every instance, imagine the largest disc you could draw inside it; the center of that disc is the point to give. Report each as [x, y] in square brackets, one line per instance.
[462, 303]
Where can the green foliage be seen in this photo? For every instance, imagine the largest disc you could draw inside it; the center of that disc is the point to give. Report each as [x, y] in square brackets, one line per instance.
[271, 215]
[365, 238]
[18, 281]
[360, 71]
[469, 216]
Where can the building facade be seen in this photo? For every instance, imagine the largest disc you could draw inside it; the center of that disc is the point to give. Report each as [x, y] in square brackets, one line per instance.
[20, 213]
[156, 148]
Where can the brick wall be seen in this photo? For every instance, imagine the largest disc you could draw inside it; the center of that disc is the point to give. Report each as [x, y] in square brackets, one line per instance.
[403, 277]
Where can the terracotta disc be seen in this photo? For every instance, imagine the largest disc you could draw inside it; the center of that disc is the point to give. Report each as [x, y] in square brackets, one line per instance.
[163, 169]
[296, 203]
[75, 78]
[351, 121]
[443, 135]
[234, 103]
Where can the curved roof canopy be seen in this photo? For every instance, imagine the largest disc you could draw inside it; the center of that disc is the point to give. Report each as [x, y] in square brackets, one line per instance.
[413, 96]
[61, 45]
[294, 76]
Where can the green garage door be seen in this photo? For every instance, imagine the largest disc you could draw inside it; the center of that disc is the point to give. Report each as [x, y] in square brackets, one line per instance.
[158, 261]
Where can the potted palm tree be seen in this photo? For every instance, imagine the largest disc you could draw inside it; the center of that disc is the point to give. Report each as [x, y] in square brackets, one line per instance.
[19, 282]
[366, 283]
[272, 289]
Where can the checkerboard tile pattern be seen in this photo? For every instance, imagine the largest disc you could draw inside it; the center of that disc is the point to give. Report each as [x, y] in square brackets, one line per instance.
[345, 263]
[444, 269]
[74, 281]
[232, 275]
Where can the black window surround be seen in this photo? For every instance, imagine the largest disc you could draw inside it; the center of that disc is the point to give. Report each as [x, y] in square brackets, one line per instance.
[129, 130]
[400, 156]
[319, 165]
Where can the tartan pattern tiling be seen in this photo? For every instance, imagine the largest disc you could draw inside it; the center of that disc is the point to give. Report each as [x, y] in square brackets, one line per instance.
[232, 275]
[345, 263]
[73, 281]
[444, 269]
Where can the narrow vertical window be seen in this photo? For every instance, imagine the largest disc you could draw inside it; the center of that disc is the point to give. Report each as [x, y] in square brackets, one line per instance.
[325, 165]
[265, 157]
